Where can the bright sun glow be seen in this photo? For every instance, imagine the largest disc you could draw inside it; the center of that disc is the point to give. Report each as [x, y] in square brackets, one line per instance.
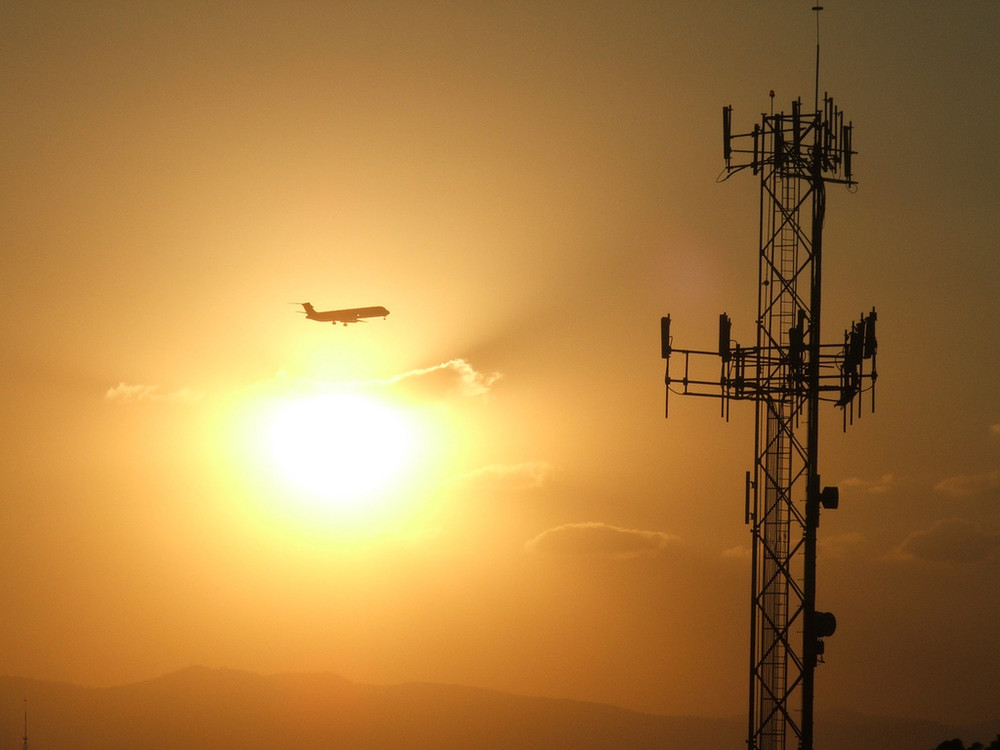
[340, 452]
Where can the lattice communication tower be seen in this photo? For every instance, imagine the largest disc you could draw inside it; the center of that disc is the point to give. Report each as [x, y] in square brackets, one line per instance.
[786, 373]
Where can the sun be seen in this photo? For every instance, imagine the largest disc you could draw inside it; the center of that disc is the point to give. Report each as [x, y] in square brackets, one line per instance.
[338, 453]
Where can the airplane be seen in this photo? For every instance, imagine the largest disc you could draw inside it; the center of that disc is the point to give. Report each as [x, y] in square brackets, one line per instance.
[351, 315]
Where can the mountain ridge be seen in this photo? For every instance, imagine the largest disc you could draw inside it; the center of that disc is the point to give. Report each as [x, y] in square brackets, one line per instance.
[224, 709]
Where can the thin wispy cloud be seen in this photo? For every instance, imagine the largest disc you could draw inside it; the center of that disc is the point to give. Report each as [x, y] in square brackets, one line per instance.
[600, 539]
[736, 553]
[952, 540]
[879, 486]
[964, 485]
[453, 376]
[524, 475]
[125, 393]
[840, 545]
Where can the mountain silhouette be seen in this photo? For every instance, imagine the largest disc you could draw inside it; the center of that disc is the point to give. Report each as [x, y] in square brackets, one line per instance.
[218, 709]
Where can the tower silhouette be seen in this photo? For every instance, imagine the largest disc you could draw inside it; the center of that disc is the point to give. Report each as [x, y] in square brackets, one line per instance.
[787, 373]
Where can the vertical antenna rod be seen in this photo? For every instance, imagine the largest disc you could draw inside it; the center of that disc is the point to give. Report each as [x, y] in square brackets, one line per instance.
[817, 8]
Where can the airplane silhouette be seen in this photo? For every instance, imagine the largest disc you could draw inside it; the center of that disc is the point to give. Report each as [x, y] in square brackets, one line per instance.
[350, 315]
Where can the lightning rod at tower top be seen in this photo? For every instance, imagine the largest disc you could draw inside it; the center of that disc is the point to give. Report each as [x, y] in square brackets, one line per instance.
[787, 372]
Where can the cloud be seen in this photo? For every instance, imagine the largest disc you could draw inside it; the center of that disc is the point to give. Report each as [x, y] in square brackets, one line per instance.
[600, 539]
[950, 540]
[879, 486]
[736, 553]
[456, 376]
[969, 484]
[525, 475]
[995, 429]
[840, 545]
[124, 393]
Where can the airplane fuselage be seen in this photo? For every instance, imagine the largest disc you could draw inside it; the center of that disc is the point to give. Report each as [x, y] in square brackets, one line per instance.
[349, 315]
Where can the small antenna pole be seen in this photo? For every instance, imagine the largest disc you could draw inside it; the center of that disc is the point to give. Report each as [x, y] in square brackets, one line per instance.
[817, 8]
[25, 747]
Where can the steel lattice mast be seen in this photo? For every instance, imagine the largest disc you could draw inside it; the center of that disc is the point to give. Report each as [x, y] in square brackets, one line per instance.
[787, 373]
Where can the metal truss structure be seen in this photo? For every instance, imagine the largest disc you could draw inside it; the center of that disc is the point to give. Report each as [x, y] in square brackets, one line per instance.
[787, 373]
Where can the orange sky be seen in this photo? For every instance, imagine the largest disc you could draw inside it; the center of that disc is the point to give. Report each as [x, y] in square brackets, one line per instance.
[527, 189]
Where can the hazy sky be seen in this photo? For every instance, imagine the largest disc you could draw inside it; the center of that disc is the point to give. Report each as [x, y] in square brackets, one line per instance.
[492, 495]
